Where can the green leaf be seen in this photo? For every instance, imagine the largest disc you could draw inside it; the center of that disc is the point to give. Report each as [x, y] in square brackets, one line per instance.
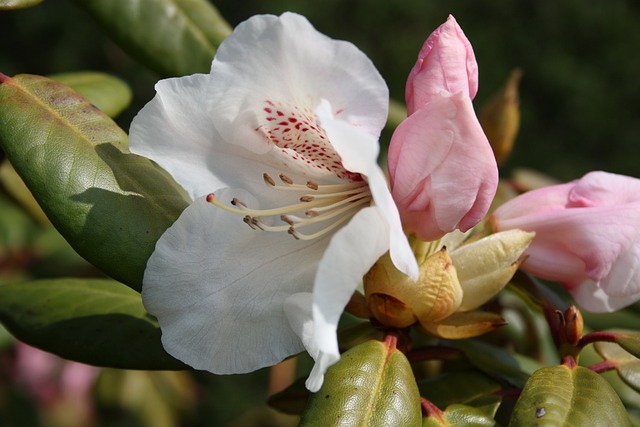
[627, 365]
[17, 4]
[630, 342]
[172, 37]
[108, 93]
[568, 396]
[459, 416]
[95, 321]
[497, 361]
[371, 385]
[110, 204]
[458, 387]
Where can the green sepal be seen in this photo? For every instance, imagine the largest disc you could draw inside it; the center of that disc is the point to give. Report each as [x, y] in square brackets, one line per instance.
[95, 321]
[171, 37]
[108, 93]
[371, 385]
[568, 395]
[111, 205]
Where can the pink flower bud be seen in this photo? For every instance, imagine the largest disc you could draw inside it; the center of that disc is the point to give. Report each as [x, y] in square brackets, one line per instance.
[587, 237]
[446, 65]
[442, 168]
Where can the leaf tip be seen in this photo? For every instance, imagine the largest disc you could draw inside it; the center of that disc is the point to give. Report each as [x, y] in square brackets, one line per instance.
[4, 78]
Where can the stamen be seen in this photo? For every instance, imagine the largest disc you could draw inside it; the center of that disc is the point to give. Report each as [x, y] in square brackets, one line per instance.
[286, 179]
[301, 222]
[268, 179]
[211, 198]
[236, 202]
[332, 204]
[300, 236]
[340, 202]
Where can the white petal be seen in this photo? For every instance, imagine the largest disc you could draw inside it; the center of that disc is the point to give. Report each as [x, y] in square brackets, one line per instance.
[351, 253]
[175, 130]
[299, 310]
[218, 287]
[359, 153]
[286, 59]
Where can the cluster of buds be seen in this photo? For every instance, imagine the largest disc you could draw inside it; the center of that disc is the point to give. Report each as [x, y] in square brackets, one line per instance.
[457, 276]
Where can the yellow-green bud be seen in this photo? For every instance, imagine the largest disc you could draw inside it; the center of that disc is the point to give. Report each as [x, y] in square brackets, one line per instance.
[485, 266]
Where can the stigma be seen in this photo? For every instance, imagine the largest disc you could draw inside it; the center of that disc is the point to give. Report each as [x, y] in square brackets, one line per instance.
[320, 208]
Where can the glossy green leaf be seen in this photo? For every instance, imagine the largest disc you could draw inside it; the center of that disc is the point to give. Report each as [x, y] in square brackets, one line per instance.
[95, 321]
[108, 93]
[111, 205]
[371, 385]
[458, 387]
[568, 396]
[497, 361]
[627, 365]
[172, 37]
[17, 4]
[459, 416]
[630, 342]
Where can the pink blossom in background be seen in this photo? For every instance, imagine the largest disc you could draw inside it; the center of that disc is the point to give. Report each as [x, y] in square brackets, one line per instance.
[442, 168]
[587, 237]
[51, 380]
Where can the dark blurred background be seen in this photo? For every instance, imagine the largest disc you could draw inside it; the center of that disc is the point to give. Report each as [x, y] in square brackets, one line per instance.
[581, 62]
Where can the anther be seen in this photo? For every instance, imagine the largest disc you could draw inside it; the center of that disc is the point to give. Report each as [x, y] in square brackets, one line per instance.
[312, 213]
[312, 185]
[293, 232]
[247, 220]
[256, 221]
[269, 180]
[286, 179]
[285, 218]
[306, 199]
[236, 202]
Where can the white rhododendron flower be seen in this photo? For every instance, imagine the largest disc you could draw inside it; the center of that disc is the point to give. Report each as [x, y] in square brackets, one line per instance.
[277, 146]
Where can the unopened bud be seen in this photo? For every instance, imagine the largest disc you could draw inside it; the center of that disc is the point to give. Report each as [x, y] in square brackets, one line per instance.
[573, 324]
[397, 300]
[500, 117]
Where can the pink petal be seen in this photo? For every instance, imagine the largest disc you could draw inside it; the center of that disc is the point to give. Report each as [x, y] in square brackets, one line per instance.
[442, 169]
[587, 236]
[446, 65]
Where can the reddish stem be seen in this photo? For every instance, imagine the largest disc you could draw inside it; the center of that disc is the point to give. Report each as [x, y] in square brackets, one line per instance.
[431, 410]
[604, 366]
[569, 362]
[592, 337]
[3, 78]
[391, 340]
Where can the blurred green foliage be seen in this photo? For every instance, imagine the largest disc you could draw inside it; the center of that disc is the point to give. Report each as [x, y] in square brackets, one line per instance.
[580, 62]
